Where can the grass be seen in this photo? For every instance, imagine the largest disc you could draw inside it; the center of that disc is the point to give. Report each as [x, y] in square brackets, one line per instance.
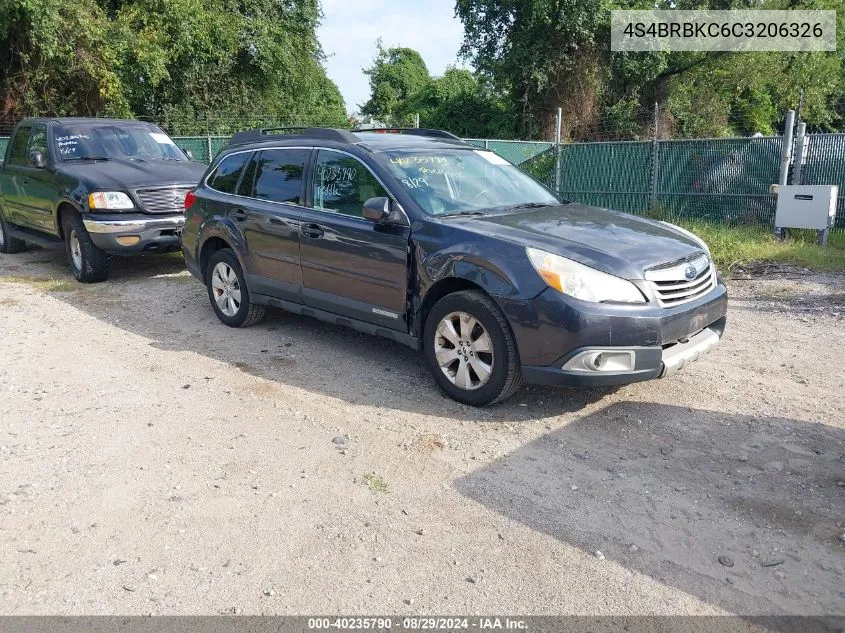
[376, 483]
[733, 246]
[44, 283]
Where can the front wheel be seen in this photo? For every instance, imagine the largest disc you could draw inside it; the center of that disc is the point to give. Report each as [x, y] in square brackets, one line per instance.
[470, 349]
[8, 244]
[89, 263]
[228, 293]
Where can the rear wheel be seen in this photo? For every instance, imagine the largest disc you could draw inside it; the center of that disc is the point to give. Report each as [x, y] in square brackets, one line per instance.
[9, 244]
[228, 293]
[89, 263]
[470, 349]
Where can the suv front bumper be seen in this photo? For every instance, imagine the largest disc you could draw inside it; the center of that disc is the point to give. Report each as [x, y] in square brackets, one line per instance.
[130, 234]
[560, 340]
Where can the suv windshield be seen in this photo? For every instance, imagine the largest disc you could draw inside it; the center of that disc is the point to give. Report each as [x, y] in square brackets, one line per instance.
[459, 181]
[109, 140]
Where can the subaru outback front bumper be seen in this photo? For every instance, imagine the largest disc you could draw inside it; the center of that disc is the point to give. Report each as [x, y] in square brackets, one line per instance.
[567, 342]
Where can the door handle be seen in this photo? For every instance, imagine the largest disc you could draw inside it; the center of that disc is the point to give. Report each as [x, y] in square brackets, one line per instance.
[312, 230]
[239, 215]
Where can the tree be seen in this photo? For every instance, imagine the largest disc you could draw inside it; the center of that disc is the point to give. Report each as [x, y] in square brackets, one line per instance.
[548, 53]
[396, 75]
[241, 62]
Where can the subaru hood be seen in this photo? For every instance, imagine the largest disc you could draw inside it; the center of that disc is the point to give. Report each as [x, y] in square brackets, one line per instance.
[618, 243]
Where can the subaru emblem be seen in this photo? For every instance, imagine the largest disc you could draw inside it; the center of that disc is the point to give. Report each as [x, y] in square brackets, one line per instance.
[691, 272]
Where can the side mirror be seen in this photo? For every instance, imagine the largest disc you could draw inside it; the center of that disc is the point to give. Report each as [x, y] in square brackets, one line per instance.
[36, 159]
[377, 209]
[188, 153]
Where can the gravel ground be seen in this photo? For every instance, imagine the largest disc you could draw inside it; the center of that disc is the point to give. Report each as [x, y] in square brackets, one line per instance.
[154, 461]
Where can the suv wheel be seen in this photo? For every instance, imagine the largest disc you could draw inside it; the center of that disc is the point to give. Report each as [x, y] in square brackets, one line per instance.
[89, 263]
[470, 349]
[228, 293]
[9, 244]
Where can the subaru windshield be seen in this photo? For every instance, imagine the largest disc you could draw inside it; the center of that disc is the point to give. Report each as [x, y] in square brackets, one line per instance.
[95, 141]
[447, 182]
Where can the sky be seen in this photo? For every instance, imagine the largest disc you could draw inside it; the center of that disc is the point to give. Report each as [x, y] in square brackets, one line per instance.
[351, 27]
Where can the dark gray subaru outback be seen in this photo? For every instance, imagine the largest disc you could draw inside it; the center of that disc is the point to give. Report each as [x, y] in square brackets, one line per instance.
[422, 238]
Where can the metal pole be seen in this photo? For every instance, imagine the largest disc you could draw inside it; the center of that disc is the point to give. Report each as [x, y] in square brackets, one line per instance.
[800, 156]
[655, 159]
[785, 160]
[417, 119]
[208, 139]
[558, 126]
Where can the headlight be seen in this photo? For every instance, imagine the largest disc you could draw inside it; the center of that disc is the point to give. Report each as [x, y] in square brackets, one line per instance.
[582, 282]
[690, 235]
[115, 200]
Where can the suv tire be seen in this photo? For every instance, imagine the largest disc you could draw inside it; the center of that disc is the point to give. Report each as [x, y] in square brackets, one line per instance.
[470, 349]
[228, 293]
[89, 264]
[8, 244]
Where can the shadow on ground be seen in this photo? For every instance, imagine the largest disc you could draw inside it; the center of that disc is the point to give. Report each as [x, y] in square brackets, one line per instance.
[666, 491]
[154, 297]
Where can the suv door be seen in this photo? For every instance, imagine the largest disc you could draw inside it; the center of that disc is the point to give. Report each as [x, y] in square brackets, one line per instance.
[350, 265]
[270, 198]
[38, 186]
[14, 193]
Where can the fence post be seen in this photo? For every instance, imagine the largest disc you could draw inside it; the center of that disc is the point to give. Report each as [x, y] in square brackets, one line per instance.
[207, 139]
[800, 153]
[558, 125]
[655, 158]
[785, 160]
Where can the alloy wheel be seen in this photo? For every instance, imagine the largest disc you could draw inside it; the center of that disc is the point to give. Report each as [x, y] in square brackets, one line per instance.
[226, 289]
[464, 350]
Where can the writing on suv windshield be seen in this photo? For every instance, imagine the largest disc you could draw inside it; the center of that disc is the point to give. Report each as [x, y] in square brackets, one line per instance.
[103, 142]
[465, 182]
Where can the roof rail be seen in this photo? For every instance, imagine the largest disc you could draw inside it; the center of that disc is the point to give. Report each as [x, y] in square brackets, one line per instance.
[269, 133]
[414, 131]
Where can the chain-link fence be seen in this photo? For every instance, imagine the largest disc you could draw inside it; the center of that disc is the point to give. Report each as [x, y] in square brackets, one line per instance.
[722, 180]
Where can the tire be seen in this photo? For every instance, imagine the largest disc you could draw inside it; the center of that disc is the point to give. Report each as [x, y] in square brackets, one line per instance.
[89, 264]
[8, 244]
[459, 369]
[227, 291]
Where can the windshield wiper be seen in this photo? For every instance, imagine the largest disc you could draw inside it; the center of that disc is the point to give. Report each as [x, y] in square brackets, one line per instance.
[88, 158]
[531, 205]
[459, 213]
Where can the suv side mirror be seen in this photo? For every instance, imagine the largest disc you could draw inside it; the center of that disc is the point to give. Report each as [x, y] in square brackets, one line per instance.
[377, 209]
[36, 159]
[188, 153]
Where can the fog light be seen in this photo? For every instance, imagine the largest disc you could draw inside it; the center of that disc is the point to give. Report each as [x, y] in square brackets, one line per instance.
[602, 360]
[128, 240]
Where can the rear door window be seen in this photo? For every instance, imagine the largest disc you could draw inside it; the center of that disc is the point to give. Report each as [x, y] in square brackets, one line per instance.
[225, 177]
[17, 153]
[279, 175]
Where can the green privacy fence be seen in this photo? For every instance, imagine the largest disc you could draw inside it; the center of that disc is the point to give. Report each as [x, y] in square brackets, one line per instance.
[717, 180]
[826, 166]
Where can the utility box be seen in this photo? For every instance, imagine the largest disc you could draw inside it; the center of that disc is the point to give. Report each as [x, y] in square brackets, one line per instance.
[806, 206]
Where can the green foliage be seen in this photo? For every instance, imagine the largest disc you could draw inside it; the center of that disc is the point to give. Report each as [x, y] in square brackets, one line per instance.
[545, 54]
[396, 76]
[401, 87]
[181, 61]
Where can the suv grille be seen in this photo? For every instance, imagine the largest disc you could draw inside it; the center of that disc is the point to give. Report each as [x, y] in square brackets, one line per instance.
[163, 200]
[682, 281]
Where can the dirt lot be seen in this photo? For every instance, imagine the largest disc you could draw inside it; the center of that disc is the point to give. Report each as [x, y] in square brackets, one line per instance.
[154, 461]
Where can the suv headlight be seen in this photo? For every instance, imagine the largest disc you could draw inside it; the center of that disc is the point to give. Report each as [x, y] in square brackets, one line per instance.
[114, 200]
[582, 282]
